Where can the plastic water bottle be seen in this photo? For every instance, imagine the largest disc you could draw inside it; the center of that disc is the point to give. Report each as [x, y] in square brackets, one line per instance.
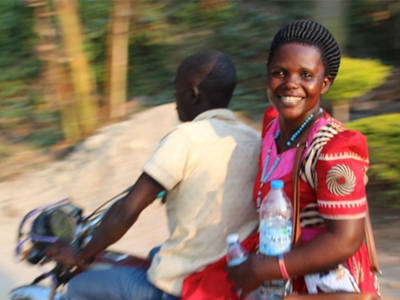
[276, 219]
[236, 252]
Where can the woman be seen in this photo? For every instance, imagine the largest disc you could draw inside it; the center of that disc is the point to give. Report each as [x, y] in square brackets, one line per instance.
[303, 62]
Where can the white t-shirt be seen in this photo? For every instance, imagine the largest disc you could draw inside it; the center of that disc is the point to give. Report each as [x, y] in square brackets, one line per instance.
[208, 167]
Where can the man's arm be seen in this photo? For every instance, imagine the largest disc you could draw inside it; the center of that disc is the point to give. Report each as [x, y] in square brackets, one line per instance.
[117, 221]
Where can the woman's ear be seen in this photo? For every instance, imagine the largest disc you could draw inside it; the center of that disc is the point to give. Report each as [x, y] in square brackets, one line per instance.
[326, 84]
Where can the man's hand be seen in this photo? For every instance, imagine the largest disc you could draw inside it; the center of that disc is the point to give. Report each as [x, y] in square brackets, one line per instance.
[244, 276]
[65, 255]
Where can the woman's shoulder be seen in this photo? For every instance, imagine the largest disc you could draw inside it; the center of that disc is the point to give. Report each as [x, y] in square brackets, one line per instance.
[333, 142]
[344, 140]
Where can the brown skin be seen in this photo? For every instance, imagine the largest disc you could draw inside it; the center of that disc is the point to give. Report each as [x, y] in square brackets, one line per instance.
[297, 71]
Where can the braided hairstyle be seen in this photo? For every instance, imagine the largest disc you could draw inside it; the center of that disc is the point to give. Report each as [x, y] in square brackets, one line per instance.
[310, 33]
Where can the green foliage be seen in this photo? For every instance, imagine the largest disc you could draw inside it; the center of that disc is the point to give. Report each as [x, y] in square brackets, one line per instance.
[355, 78]
[163, 33]
[45, 137]
[17, 59]
[373, 29]
[192, 15]
[16, 32]
[148, 73]
[383, 136]
[19, 69]
[168, 32]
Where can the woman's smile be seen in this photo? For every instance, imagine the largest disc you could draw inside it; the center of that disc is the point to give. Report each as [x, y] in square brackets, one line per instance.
[291, 99]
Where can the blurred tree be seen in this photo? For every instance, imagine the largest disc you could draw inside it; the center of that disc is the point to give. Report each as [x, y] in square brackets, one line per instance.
[56, 84]
[333, 15]
[161, 34]
[394, 9]
[19, 70]
[82, 79]
[117, 61]
[372, 31]
[95, 16]
[210, 4]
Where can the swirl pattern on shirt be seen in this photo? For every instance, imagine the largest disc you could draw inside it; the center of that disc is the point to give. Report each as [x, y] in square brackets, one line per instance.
[341, 180]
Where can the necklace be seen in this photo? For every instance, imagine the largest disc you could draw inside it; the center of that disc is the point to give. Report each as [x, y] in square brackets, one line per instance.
[300, 129]
[265, 175]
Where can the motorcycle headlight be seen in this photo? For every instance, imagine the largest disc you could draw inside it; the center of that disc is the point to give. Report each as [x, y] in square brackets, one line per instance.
[62, 226]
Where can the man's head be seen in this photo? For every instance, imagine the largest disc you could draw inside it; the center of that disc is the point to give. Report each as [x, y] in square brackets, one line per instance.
[204, 81]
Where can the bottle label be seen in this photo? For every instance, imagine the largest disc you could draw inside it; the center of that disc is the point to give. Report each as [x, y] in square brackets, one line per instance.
[275, 240]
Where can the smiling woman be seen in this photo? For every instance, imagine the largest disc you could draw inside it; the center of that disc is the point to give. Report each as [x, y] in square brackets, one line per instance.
[330, 255]
[303, 63]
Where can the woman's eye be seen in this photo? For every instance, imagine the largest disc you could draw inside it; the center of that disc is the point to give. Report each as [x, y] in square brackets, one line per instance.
[307, 75]
[278, 74]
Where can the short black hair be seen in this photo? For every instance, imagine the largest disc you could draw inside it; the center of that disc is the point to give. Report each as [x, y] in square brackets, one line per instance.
[310, 33]
[218, 75]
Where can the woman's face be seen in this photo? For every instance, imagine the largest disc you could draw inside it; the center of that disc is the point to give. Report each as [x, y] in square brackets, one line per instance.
[296, 80]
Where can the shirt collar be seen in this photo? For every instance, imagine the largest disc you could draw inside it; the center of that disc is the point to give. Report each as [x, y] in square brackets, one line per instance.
[218, 113]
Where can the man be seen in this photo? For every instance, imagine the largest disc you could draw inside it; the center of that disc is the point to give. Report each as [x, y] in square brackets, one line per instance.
[207, 165]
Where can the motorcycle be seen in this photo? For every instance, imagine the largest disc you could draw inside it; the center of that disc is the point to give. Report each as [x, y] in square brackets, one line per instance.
[64, 223]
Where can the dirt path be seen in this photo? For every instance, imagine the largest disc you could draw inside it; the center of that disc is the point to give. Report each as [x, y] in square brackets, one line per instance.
[107, 163]
[100, 168]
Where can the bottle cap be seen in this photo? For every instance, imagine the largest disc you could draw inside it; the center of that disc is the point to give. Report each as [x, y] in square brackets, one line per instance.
[232, 238]
[277, 184]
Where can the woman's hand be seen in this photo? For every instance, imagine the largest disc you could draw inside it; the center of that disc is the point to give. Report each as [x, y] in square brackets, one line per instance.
[245, 277]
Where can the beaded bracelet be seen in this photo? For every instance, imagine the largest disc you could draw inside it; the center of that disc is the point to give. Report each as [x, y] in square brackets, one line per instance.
[282, 267]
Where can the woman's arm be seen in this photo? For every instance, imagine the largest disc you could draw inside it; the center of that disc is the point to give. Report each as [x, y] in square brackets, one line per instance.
[341, 240]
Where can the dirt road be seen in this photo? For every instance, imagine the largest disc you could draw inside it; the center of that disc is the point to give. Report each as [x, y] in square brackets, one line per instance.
[107, 163]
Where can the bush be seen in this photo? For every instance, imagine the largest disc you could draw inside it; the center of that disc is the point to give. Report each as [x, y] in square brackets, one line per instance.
[355, 78]
[383, 135]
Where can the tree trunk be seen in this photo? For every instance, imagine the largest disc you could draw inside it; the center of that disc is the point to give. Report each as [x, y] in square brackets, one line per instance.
[69, 113]
[117, 61]
[56, 85]
[341, 112]
[395, 12]
[84, 88]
